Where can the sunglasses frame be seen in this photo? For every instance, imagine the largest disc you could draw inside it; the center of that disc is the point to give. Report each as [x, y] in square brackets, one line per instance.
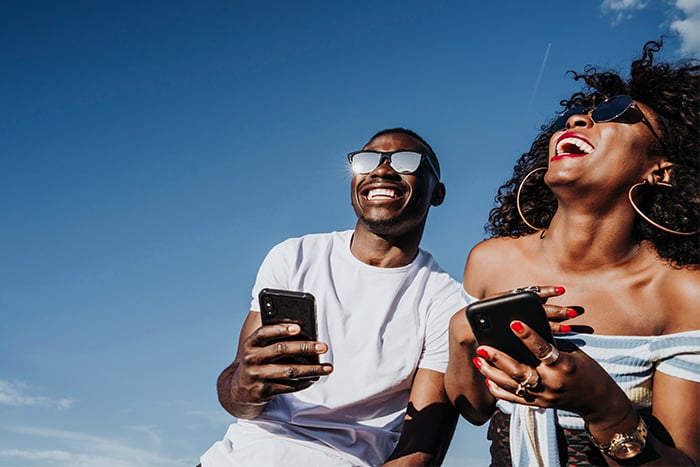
[560, 122]
[386, 156]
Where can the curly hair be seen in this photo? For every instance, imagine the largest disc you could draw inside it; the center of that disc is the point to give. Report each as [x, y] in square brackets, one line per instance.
[672, 91]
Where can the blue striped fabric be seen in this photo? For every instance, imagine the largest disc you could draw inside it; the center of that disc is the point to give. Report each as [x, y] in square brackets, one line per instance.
[630, 360]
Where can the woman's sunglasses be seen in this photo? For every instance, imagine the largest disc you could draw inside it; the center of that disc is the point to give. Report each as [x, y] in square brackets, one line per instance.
[403, 162]
[620, 109]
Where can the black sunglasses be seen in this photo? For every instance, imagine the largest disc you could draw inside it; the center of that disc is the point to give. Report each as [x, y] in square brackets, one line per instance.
[403, 162]
[620, 109]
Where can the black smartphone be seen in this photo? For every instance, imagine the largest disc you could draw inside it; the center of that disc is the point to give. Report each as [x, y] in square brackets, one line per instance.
[490, 320]
[286, 306]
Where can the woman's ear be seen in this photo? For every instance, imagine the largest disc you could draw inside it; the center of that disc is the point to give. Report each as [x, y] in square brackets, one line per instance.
[661, 174]
[438, 195]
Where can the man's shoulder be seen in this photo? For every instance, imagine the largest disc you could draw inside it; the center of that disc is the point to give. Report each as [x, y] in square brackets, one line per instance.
[316, 238]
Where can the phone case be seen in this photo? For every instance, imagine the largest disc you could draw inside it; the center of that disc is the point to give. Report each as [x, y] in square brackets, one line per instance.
[490, 321]
[286, 306]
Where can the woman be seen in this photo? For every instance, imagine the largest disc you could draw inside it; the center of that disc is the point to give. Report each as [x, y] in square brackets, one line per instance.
[605, 205]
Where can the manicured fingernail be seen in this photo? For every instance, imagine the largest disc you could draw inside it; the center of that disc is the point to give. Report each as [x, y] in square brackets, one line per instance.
[488, 383]
[564, 328]
[559, 290]
[571, 313]
[482, 353]
[516, 326]
[477, 362]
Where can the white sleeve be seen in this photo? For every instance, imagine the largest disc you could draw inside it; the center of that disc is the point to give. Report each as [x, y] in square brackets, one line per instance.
[448, 301]
[274, 271]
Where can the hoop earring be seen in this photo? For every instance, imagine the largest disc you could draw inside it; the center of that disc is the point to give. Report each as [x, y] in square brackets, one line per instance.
[646, 218]
[517, 200]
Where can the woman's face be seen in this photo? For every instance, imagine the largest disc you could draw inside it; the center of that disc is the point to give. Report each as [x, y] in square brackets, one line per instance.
[607, 156]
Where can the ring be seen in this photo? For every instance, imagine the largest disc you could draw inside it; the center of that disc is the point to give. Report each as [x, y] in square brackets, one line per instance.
[521, 390]
[551, 357]
[290, 372]
[533, 378]
[532, 288]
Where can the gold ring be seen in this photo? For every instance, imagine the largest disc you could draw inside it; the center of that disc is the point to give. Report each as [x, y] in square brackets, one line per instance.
[551, 357]
[533, 378]
[290, 372]
[521, 390]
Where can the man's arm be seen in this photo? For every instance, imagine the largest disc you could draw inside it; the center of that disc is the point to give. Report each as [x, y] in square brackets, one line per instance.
[429, 423]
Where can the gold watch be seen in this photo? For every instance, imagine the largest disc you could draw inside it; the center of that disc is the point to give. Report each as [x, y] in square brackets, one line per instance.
[624, 445]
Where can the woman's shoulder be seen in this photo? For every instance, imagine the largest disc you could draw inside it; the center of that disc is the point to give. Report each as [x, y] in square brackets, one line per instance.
[680, 289]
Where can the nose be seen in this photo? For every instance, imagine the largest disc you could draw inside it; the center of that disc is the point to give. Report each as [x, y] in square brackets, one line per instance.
[579, 120]
[384, 169]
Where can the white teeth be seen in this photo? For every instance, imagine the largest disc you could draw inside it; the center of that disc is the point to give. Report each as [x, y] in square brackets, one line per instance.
[381, 193]
[583, 147]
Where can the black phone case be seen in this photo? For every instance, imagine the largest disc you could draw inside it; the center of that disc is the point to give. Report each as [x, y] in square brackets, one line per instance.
[490, 321]
[286, 306]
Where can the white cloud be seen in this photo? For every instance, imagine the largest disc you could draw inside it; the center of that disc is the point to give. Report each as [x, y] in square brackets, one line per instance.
[13, 393]
[87, 450]
[688, 27]
[622, 9]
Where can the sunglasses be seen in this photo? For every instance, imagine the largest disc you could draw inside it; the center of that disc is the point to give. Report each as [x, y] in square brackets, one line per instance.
[619, 109]
[403, 162]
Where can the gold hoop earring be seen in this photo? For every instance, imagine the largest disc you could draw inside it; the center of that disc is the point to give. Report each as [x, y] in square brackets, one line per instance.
[517, 200]
[646, 218]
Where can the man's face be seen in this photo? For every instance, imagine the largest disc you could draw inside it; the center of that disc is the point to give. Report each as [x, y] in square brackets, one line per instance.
[389, 203]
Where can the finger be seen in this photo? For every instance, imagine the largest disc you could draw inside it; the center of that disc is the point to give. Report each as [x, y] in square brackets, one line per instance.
[292, 348]
[539, 346]
[559, 313]
[296, 372]
[546, 291]
[501, 368]
[264, 334]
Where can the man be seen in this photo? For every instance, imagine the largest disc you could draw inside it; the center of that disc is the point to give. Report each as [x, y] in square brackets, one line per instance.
[383, 310]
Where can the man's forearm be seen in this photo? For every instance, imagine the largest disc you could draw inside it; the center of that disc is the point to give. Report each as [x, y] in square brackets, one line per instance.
[224, 387]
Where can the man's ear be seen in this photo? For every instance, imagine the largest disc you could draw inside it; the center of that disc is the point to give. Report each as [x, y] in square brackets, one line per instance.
[438, 194]
[661, 174]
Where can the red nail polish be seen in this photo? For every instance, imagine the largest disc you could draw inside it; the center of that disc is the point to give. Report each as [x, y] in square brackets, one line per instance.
[516, 326]
[482, 353]
[564, 328]
[571, 313]
[477, 362]
[559, 290]
[488, 383]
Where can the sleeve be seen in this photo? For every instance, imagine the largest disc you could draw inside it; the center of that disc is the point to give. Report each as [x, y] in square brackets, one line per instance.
[274, 271]
[679, 355]
[436, 347]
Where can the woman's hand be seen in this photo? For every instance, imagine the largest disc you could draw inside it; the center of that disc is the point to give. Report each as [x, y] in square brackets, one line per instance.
[566, 378]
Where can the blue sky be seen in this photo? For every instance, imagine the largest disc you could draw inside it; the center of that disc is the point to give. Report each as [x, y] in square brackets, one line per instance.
[152, 152]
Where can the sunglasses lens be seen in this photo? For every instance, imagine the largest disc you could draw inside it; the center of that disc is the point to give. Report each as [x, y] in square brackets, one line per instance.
[364, 162]
[560, 123]
[405, 162]
[612, 108]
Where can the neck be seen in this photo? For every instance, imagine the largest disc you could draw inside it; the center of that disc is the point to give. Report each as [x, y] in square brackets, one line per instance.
[384, 250]
[579, 240]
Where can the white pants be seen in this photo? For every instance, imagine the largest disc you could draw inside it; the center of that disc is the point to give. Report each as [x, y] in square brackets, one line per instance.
[246, 445]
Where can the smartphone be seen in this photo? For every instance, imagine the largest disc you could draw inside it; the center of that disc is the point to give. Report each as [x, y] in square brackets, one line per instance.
[286, 306]
[490, 320]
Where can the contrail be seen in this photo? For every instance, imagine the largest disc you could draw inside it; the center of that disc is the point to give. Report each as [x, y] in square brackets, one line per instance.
[539, 75]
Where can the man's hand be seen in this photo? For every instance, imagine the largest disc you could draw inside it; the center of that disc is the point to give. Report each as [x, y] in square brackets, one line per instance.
[263, 368]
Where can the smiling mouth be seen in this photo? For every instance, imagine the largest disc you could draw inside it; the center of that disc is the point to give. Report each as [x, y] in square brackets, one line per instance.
[572, 146]
[381, 193]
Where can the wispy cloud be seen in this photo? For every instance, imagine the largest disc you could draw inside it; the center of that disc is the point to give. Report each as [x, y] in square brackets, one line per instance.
[685, 22]
[14, 393]
[688, 27]
[87, 450]
[622, 10]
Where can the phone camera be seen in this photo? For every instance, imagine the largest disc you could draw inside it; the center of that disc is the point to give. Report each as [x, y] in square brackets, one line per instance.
[268, 306]
[482, 321]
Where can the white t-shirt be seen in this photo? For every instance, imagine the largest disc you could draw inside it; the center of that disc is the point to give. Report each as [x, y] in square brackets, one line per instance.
[380, 324]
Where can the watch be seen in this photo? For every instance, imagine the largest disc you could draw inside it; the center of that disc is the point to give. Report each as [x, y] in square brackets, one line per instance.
[624, 445]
